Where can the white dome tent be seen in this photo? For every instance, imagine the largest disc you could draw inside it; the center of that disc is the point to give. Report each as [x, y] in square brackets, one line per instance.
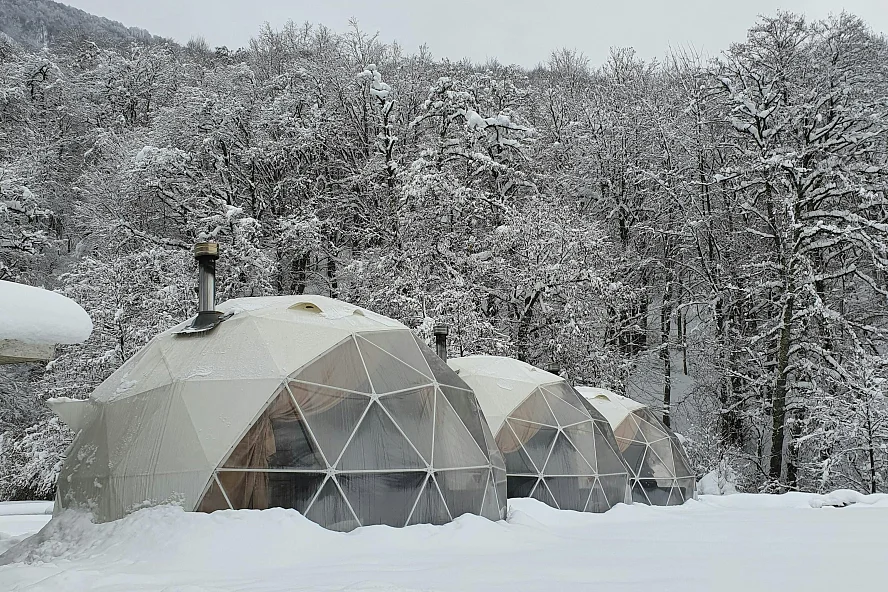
[555, 449]
[661, 473]
[302, 402]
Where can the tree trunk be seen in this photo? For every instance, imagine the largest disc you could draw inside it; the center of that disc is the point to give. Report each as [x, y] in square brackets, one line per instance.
[778, 399]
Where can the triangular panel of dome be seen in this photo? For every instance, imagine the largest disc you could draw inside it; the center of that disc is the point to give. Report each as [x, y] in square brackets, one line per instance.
[490, 508]
[430, 507]
[401, 345]
[566, 393]
[582, 436]
[614, 487]
[598, 501]
[442, 372]
[414, 411]
[463, 490]
[565, 460]
[609, 460]
[340, 367]
[454, 445]
[331, 414]
[388, 373]
[213, 499]
[521, 486]
[535, 409]
[466, 406]
[379, 445]
[543, 494]
[330, 510]
[536, 439]
[278, 439]
[516, 458]
[571, 493]
[565, 414]
[634, 457]
[382, 498]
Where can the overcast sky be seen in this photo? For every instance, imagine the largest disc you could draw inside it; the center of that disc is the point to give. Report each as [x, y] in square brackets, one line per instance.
[514, 31]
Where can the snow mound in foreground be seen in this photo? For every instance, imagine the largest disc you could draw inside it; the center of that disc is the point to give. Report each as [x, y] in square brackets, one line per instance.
[34, 315]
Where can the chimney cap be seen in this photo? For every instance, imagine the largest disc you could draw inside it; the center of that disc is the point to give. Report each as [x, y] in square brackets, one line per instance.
[553, 368]
[206, 250]
[441, 330]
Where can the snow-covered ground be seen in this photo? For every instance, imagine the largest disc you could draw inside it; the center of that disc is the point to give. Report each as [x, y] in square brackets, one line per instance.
[738, 542]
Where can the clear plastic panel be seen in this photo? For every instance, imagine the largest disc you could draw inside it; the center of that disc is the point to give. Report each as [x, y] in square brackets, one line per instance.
[443, 373]
[517, 461]
[627, 431]
[609, 460]
[292, 490]
[614, 488]
[213, 499]
[593, 412]
[535, 409]
[259, 491]
[543, 494]
[414, 411]
[278, 439]
[466, 406]
[679, 462]
[388, 373]
[651, 432]
[657, 491]
[639, 495]
[633, 454]
[565, 460]
[500, 482]
[495, 454]
[564, 413]
[463, 491]
[330, 510]
[538, 444]
[598, 501]
[655, 467]
[378, 444]
[382, 498]
[571, 493]
[402, 345]
[341, 367]
[454, 445]
[491, 507]
[520, 486]
[332, 415]
[566, 393]
[430, 507]
[582, 436]
[663, 448]
[688, 487]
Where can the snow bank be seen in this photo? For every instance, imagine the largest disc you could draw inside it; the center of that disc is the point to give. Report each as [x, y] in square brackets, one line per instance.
[715, 483]
[703, 545]
[34, 315]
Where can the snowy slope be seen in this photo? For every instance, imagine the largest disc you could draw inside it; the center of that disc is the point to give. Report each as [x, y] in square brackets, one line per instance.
[739, 542]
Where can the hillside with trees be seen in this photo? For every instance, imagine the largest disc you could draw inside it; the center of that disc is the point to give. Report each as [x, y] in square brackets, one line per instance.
[711, 235]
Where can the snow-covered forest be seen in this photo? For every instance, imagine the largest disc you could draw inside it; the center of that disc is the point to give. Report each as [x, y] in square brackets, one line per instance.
[715, 230]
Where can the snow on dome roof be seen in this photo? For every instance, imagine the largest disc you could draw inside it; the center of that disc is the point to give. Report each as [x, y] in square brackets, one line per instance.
[612, 406]
[500, 383]
[35, 315]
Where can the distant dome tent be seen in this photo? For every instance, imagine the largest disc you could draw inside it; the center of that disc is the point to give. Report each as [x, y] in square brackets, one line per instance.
[300, 402]
[556, 450]
[33, 321]
[659, 466]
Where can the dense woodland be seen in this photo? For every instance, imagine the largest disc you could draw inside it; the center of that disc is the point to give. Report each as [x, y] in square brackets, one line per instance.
[717, 224]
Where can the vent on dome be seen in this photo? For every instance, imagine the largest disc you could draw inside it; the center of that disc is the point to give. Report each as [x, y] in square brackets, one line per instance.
[306, 306]
[208, 318]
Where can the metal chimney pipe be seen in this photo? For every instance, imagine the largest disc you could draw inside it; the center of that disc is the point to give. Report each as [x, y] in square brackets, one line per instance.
[553, 368]
[440, 332]
[206, 255]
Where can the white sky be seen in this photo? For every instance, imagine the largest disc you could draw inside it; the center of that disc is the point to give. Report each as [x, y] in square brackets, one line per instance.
[514, 31]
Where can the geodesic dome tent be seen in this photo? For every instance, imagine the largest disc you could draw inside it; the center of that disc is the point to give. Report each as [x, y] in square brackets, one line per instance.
[556, 450]
[299, 402]
[660, 469]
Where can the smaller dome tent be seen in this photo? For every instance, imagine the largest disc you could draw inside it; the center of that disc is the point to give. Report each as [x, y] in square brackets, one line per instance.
[661, 474]
[556, 450]
[300, 402]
